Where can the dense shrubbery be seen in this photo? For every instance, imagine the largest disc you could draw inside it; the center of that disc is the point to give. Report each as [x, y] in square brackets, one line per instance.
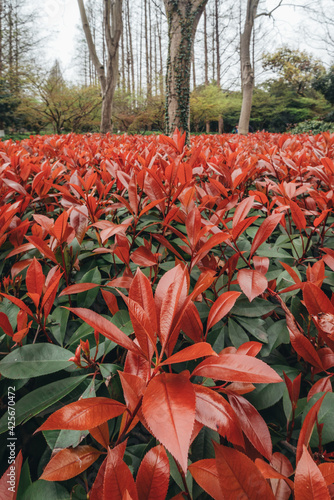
[167, 316]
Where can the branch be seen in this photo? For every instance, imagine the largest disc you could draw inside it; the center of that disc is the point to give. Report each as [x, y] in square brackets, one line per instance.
[269, 14]
[91, 46]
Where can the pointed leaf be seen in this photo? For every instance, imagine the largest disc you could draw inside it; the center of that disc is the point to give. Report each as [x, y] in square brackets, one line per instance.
[105, 327]
[237, 368]
[309, 482]
[264, 231]
[77, 288]
[118, 478]
[70, 462]
[221, 307]
[206, 476]
[252, 424]
[174, 397]
[84, 414]
[35, 278]
[213, 411]
[307, 427]
[153, 475]
[239, 477]
[252, 283]
[9, 482]
[194, 351]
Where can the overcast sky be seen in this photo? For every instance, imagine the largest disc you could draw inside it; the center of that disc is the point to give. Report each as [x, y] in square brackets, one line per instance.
[61, 17]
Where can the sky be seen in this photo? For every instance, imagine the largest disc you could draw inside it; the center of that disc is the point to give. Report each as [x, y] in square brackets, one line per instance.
[61, 17]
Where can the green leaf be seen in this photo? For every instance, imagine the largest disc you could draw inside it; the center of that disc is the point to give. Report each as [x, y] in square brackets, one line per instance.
[237, 334]
[202, 446]
[59, 318]
[325, 416]
[38, 400]
[266, 395]
[86, 299]
[253, 326]
[34, 360]
[47, 490]
[25, 480]
[255, 309]
[277, 334]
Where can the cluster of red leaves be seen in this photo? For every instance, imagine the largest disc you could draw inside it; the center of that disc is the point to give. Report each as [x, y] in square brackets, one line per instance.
[144, 202]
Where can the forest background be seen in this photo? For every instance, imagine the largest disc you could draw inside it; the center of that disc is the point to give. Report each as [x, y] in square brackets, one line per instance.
[294, 88]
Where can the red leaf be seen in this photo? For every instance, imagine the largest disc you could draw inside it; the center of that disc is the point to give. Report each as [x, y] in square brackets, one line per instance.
[261, 264]
[242, 210]
[101, 434]
[239, 477]
[141, 292]
[322, 385]
[309, 482]
[169, 410]
[250, 348]
[50, 294]
[213, 411]
[5, 324]
[191, 323]
[137, 365]
[142, 256]
[252, 424]
[269, 472]
[316, 300]
[264, 231]
[194, 351]
[193, 226]
[307, 427]
[304, 348]
[70, 462]
[61, 229]
[293, 388]
[327, 470]
[9, 482]
[237, 368]
[282, 465]
[19, 303]
[84, 414]
[221, 307]
[153, 475]
[111, 301]
[77, 288]
[96, 493]
[105, 327]
[133, 389]
[252, 283]
[42, 246]
[142, 326]
[206, 476]
[35, 278]
[297, 216]
[117, 477]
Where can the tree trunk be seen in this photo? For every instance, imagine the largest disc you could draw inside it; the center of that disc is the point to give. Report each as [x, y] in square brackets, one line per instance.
[247, 75]
[112, 17]
[183, 17]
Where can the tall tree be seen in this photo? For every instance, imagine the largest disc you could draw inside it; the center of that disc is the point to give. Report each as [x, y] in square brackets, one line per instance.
[183, 17]
[247, 74]
[112, 20]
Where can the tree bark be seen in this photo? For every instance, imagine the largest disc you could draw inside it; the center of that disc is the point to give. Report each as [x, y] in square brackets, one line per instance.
[183, 17]
[247, 74]
[112, 17]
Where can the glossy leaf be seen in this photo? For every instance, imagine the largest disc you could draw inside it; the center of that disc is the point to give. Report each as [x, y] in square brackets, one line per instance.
[264, 231]
[239, 477]
[84, 414]
[70, 462]
[199, 350]
[307, 428]
[153, 475]
[252, 283]
[252, 424]
[221, 307]
[169, 410]
[213, 411]
[117, 477]
[237, 368]
[206, 476]
[309, 482]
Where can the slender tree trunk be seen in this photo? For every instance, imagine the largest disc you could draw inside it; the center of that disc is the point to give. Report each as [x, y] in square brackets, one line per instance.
[247, 74]
[112, 16]
[206, 63]
[183, 17]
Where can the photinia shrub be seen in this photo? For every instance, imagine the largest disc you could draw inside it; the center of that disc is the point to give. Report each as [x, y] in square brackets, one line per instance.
[167, 317]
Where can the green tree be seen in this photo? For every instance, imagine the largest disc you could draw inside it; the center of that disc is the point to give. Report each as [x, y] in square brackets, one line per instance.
[294, 67]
